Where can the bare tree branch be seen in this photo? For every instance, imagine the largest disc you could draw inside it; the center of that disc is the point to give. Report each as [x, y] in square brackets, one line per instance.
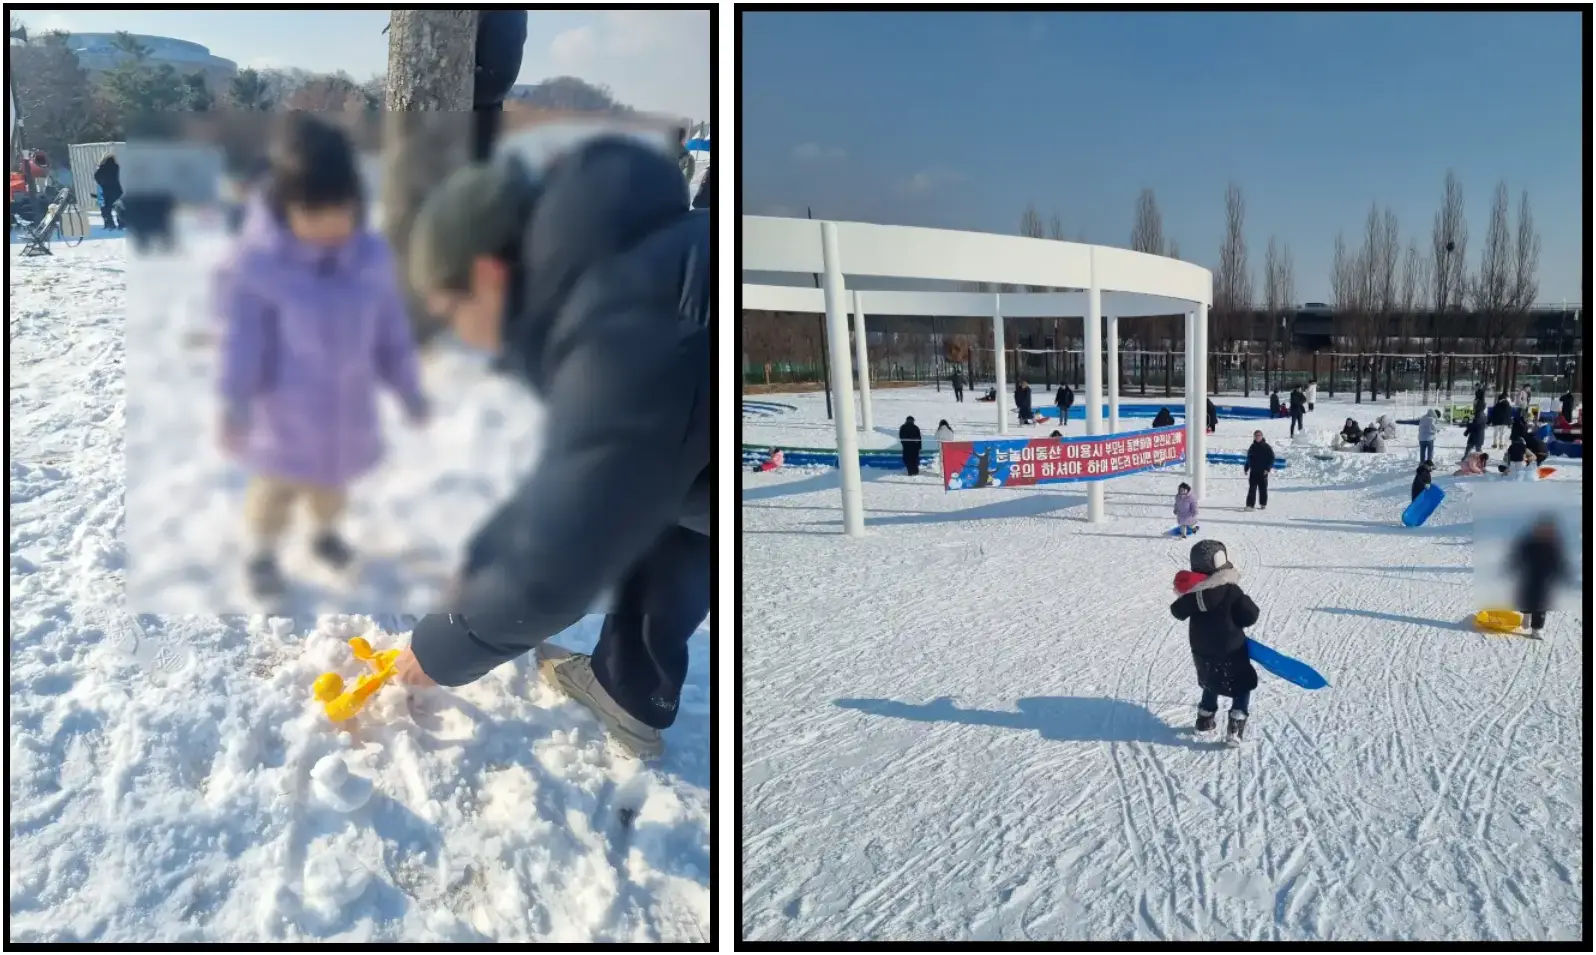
[1147, 233]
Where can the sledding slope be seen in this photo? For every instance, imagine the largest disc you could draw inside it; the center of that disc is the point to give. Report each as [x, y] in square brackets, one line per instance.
[159, 787]
[970, 724]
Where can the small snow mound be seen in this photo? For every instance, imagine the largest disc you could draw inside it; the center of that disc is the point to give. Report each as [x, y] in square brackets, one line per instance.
[336, 787]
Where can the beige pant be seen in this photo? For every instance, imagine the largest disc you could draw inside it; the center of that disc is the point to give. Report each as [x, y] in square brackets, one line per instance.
[269, 503]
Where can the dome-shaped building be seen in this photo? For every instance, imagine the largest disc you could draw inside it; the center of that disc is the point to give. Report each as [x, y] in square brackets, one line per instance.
[98, 52]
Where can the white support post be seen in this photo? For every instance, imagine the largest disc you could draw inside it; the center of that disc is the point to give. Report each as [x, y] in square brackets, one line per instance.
[1195, 414]
[1111, 339]
[1002, 372]
[1201, 487]
[841, 384]
[1092, 348]
[868, 422]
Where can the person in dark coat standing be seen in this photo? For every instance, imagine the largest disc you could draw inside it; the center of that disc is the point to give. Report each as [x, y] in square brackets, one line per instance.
[1474, 433]
[909, 437]
[1539, 565]
[1260, 461]
[501, 38]
[1298, 405]
[1421, 480]
[1213, 416]
[108, 176]
[1022, 401]
[1218, 612]
[1064, 400]
[591, 280]
[1479, 401]
[1500, 419]
[1567, 402]
[958, 383]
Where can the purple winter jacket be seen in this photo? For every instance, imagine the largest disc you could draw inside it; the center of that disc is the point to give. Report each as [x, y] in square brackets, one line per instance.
[1185, 508]
[307, 334]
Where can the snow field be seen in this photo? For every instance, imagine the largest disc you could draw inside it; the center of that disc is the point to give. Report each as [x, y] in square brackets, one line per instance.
[163, 769]
[974, 722]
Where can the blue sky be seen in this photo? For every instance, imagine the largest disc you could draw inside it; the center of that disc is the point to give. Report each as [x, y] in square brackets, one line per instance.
[957, 120]
[654, 60]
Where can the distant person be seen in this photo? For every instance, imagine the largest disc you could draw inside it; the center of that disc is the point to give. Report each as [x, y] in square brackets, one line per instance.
[1163, 419]
[1421, 479]
[1387, 426]
[108, 176]
[944, 431]
[1474, 463]
[774, 462]
[1568, 401]
[312, 322]
[589, 279]
[1522, 403]
[1260, 461]
[1474, 432]
[1539, 566]
[1274, 404]
[1219, 612]
[1371, 442]
[1213, 417]
[991, 395]
[1064, 400]
[1500, 419]
[1298, 404]
[1350, 432]
[1185, 510]
[1427, 435]
[1537, 447]
[1479, 401]
[957, 379]
[909, 437]
[1313, 392]
[1022, 402]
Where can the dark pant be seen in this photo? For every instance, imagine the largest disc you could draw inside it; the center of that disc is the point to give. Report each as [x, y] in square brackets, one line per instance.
[1426, 450]
[1537, 619]
[108, 212]
[958, 392]
[641, 656]
[1238, 704]
[1258, 488]
[1296, 421]
[911, 457]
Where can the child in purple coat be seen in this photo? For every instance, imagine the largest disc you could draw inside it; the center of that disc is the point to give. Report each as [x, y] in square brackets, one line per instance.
[1185, 510]
[312, 322]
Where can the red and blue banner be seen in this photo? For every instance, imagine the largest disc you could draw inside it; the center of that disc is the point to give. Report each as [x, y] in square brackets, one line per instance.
[1021, 462]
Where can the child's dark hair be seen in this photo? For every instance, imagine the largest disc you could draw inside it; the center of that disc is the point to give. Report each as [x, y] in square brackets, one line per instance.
[1183, 487]
[313, 165]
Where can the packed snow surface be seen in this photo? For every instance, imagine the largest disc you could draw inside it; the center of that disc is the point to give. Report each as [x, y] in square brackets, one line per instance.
[974, 722]
[171, 778]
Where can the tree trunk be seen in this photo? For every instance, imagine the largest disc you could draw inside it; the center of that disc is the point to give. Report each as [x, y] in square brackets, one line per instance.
[427, 129]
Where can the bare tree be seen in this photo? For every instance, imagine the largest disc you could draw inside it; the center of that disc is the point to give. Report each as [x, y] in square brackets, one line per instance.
[426, 134]
[1232, 281]
[1526, 259]
[1174, 249]
[1414, 282]
[1055, 228]
[1489, 292]
[1449, 242]
[1386, 257]
[1147, 233]
[1271, 293]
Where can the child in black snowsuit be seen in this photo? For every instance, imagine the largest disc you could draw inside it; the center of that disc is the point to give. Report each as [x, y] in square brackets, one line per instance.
[909, 437]
[1212, 600]
[1539, 563]
[1421, 479]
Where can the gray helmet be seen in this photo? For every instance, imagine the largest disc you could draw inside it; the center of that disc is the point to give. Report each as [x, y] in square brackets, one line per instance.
[1208, 556]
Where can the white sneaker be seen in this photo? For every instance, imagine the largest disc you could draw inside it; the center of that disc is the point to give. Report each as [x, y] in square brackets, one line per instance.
[572, 674]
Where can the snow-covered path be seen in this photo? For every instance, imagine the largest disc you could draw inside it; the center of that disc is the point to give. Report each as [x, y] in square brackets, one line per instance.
[160, 778]
[973, 723]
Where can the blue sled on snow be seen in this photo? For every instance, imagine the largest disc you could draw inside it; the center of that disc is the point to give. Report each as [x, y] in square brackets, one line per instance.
[1175, 531]
[1423, 506]
[1286, 668]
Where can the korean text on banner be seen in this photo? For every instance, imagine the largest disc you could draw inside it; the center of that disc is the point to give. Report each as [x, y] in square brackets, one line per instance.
[1021, 462]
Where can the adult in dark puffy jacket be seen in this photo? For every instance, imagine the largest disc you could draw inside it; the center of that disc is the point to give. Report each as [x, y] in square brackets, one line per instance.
[1500, 419]
[1219, 612]
[1479, 401]
[1064, 400]
[108, 176]
[1298, 407]
[1538, 563]
[1567, 402]
[1475, 431]
[501, 38]
[909, 437]
[1260, 460]
[1163, 419]
[1213, 416]
[1022, 401]
[592, 282]
[1350, 432]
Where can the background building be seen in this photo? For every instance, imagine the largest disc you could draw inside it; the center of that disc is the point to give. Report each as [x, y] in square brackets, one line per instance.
[98, 52]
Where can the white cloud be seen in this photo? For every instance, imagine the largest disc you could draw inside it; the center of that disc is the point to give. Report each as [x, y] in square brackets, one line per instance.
[654, 60]
[928, 179]
[814, 152]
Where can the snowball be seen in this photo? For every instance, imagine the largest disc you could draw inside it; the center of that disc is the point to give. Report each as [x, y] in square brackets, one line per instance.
[335, 787]
[333, 880]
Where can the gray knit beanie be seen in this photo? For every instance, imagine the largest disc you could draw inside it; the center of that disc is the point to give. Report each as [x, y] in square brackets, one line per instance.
[480, 209]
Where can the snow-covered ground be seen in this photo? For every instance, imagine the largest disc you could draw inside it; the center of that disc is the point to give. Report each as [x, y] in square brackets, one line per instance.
[974, 722]
[160, 768]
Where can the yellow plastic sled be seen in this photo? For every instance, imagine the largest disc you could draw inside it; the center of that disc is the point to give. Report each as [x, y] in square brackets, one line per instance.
[329, 687]
[1499, 621]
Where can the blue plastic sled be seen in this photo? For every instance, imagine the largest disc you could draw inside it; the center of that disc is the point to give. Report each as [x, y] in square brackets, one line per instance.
[1286, 668]
[1423, 506]
[1175, 531]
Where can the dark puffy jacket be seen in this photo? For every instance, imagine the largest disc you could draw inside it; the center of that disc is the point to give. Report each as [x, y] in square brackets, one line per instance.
[1515, 451]
[1218, 615]
[501, 38]
[1421, 480]
[706, 190]
[1501, 414]
[612, 310]
[1260, 458]
[1534, 445]
[1568, 406]
[1163, 419]
[1213, 415]
[1299, 402]
[1479, 400]
[1022, 400]
[108, 176]
[909, 433]
[1064, 398]
[1539, 565]
[1274, 403]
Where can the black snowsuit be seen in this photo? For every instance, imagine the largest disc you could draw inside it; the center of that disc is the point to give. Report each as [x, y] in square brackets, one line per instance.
[1421, 480]
[1022, 401]
[1299, 405]
[1274, 404]
[108, 176]
[1260, 459]
[1213, 415]
[1539, 565]
[1163, 419]
[1568, 407]
[501, 38]
[1218, 615]
[909, 435]
[1064, 400]
[613, 291]
[958, 384]
[1476, 434]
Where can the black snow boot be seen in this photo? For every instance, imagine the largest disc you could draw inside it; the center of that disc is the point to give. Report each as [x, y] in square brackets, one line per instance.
[331, 548]
[1235, 728]
[1205, 721]
[265, 580]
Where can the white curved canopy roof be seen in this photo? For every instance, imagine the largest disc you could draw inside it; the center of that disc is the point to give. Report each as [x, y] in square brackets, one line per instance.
[1131, 283]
